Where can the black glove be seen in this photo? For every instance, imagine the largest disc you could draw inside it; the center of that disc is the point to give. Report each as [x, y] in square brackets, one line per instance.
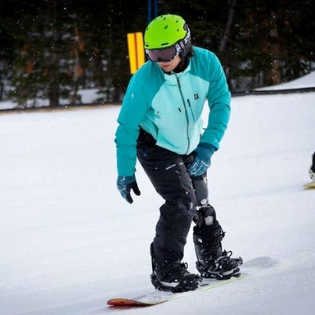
[125, 184]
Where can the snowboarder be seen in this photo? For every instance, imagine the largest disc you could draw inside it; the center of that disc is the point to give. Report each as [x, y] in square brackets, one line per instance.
[160, 123]
[311, 170]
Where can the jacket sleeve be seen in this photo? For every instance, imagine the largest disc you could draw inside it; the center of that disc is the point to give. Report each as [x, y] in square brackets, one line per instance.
[133, 111]
[219, 99]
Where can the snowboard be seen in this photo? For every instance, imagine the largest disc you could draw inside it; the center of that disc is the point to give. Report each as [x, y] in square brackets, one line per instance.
[159, 297]
[309, 185]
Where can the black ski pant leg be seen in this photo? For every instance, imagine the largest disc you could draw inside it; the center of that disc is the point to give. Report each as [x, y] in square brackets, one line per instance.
[169, 176]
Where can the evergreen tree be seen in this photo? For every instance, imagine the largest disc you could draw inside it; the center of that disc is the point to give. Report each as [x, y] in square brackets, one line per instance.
[51, 49]
[44, 41]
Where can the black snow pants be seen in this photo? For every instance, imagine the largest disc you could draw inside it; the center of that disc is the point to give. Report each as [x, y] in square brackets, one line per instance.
[168, 173]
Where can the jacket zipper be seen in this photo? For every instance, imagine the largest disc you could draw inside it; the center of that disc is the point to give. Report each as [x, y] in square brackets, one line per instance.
[192, 113]
[186, 114]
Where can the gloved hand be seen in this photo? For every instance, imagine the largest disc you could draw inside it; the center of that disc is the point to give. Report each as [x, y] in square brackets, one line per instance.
[125, 184]
[202, 159]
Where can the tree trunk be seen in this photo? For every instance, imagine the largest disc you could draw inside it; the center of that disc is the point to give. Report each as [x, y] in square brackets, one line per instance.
[228, 26]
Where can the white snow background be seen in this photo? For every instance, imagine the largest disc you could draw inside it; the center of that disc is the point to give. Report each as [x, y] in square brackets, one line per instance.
[69, 242]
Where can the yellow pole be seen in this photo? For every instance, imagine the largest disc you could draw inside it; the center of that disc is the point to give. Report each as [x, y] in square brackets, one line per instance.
[136, 51]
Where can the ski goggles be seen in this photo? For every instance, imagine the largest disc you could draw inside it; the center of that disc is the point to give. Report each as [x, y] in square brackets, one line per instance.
[164, 54]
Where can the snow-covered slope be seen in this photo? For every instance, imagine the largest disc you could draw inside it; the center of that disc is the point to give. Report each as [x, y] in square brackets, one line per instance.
[69, 242]
[306, 81]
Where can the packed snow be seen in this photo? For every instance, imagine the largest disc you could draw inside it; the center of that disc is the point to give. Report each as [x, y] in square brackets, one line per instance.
[69, 242]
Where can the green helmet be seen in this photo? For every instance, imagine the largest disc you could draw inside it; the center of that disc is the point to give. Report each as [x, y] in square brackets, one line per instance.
[166, 30]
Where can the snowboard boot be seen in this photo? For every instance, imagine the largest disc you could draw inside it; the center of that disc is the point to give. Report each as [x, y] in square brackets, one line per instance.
[173, 277]
[311, 170]
[212, 261]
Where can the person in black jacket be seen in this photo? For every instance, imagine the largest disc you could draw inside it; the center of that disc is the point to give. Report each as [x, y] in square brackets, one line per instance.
[311, 170]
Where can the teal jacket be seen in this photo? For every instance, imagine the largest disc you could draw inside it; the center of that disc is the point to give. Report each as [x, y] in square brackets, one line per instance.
[170, 106]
